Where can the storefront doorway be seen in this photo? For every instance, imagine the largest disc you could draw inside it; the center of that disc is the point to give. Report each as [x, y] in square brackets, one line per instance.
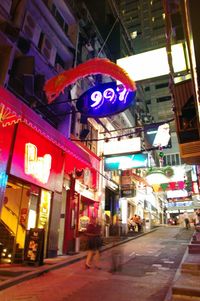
[25, 206]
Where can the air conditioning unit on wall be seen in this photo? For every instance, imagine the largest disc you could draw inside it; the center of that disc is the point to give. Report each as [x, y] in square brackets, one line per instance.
[48, 50]
[31, 29]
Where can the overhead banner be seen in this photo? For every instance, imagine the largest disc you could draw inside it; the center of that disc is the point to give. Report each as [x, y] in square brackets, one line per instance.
[126, 162]
[124, 146]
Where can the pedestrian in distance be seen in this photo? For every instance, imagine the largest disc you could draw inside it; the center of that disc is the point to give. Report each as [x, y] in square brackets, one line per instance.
[186, 219]
[137, 220]
[197, 220]
[131, 224]
[93, 233]
[195, 217]
[139, 223]
[198, 217]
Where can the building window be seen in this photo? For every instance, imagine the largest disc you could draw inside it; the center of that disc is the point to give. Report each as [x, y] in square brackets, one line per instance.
[41, 40]
[178, 159]
[148, 102]
[60, 61]
[91, 139]
[60, 20]
[171, 160]
[162, 99]
[73, 120]
[162, 85]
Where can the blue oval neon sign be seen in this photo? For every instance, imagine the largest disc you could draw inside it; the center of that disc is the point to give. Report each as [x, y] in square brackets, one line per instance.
[105, 100]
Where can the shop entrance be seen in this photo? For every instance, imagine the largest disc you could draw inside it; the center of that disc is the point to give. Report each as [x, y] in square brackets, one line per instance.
[25, 206]
[14, 216]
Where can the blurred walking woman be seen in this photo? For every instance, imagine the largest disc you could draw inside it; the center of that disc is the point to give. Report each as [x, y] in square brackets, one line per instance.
[93, 233]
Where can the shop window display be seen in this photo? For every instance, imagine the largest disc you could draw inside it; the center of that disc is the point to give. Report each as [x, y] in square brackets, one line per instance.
[14, 219]
[43, 221]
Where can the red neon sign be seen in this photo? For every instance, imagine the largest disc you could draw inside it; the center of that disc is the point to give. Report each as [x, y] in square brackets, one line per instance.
[56, 85]
[38, 167]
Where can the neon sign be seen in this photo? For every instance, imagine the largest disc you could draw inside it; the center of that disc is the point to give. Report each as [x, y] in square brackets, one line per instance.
[126, 162]
[38, 167]
[105, 99]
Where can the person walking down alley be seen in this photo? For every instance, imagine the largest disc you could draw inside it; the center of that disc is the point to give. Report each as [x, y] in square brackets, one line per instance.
[93, 233]
[186, 220]
[198, 217]
[138, 222]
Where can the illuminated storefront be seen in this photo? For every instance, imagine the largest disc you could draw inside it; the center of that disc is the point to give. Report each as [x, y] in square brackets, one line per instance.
[82, 200]
[34, 173]
[37, 165]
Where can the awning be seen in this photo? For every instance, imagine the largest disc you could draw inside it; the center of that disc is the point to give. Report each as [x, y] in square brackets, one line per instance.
[90, 160]
[17, 111]
[73, 162]
[73, 165]
[87, 200]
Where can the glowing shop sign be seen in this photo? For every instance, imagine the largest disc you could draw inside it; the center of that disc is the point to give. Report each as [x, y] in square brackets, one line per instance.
[157, 135]
[104, 100]
[126, 162]
[38, 167]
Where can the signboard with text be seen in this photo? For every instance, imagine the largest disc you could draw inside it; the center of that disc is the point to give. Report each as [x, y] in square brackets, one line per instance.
[37, 160]
[124, 146]
[34, 246]
[126, 162]
[157, 135]
[105, 100]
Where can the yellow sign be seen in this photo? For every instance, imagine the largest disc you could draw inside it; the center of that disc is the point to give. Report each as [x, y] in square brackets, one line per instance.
[38, 167]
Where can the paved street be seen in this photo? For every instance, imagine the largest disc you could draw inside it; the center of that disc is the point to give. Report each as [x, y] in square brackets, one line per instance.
[149, 264]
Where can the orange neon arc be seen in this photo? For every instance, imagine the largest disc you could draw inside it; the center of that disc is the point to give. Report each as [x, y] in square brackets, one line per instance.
[56, 85]
[38, 167]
